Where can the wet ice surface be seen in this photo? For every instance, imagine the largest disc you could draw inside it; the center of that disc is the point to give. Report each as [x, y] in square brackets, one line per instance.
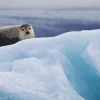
[65, 67]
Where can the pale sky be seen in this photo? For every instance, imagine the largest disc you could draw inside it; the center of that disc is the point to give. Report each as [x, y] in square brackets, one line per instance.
[49, 3]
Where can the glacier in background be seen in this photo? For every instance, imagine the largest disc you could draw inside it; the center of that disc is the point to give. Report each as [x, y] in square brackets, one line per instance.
[64, 67]
[52, 22]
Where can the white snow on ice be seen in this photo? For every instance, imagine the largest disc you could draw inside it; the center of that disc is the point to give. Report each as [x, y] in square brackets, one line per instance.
[65, 67]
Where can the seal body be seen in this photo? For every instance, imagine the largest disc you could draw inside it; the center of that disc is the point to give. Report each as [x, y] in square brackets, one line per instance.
[12, 34]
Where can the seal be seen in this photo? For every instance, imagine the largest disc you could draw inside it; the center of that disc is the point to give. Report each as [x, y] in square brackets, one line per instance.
[12, 34]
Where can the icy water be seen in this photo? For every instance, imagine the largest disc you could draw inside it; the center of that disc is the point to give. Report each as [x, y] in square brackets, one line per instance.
[52, 22]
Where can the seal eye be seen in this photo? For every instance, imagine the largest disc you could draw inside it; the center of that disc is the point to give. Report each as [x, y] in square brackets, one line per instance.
[23, 29]
[29, 28]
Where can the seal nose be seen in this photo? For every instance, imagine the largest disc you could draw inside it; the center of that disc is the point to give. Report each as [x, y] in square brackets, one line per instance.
[27, 33]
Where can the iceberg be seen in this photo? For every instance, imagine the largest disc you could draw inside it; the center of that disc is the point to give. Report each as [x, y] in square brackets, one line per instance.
[64, 67]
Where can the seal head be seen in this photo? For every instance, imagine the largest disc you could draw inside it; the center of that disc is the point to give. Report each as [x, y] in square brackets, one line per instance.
[26, 32]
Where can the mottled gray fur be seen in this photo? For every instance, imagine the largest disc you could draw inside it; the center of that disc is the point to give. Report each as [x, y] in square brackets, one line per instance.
[9, 31]
[13, 34]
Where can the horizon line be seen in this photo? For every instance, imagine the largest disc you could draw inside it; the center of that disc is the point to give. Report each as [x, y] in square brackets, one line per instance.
[34, 8]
